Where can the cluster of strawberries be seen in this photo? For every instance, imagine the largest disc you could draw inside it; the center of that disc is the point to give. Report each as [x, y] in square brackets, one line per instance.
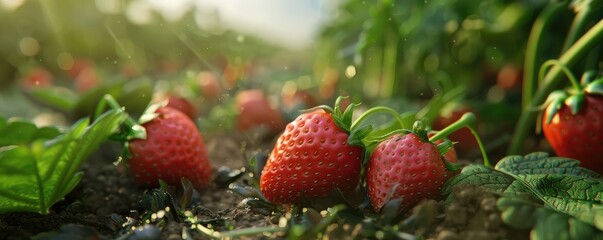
[322, 150]
[313, 156]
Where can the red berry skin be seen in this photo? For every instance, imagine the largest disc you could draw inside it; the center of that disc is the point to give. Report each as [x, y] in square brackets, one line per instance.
[310, 159]
[415, 166]
[254, 111]
[173, 149]
[183, 105]
[578, 136]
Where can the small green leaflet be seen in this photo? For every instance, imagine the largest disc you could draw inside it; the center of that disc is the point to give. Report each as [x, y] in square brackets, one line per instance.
[541, 163]
[35, 175]
[556, 184]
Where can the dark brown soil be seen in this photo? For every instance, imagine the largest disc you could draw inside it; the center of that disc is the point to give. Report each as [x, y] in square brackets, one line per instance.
[105, 205]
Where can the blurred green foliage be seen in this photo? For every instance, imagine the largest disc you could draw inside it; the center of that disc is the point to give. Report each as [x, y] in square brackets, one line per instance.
[410, 48]
[59, 34]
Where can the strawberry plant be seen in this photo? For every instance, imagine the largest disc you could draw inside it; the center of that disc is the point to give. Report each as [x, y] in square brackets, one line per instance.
[408, 166]
[41, 165]
[322, 150]
[163, 145]
[571, 122]
[578, 53]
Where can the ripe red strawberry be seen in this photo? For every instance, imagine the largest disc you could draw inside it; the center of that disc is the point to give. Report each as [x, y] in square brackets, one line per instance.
[183, 105]
[312, 158]
[255, 111]
[410, 164]
[172, 149]
[573, 125]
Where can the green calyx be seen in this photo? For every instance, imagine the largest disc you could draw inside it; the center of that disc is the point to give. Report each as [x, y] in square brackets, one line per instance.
[129, 129]
[343, 118]
[419, 128]
[595, 87]
[572, 98]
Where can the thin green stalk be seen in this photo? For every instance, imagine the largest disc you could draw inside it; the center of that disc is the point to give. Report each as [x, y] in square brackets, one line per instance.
[467, 120]
[390, 55]
[102, 105]
[592, 60]
[534, 49]
[568, 73]
[374, 110]
[588, 41]
[578, 26]
[129, 125]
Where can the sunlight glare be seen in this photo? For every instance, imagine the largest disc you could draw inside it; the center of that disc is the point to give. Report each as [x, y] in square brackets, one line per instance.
[11, 5]
[29, 46]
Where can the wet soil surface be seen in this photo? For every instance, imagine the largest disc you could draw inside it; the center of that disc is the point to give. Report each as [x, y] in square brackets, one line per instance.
[106, 205]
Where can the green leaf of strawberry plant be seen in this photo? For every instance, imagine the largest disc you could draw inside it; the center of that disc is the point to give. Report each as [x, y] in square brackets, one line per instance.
[541, 163]
[35, 175]
[479, 175]
[542, 191]
[58, 98]
[18, 131]
[575, 196]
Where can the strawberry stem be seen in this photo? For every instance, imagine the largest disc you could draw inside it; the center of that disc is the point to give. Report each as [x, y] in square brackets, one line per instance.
[467, 120]
[375, 110]
[554, 62]
[132, 129]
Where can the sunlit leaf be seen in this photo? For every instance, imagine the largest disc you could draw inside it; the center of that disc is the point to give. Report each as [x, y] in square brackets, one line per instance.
[38, 174]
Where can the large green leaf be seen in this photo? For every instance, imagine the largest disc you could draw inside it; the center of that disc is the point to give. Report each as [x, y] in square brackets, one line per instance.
[479, 175]
[576, 196]
[541, 163]
[35, 176]
[535, 181]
